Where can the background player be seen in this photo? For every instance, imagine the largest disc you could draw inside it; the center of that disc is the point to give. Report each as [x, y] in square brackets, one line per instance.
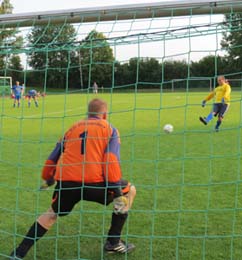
[85, 165]
[32, 94]
[95, 87]
[17, 91]
[221, 104]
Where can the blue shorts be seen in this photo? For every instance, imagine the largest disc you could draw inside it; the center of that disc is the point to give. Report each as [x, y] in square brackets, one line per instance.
[220, 109]
[17, 97]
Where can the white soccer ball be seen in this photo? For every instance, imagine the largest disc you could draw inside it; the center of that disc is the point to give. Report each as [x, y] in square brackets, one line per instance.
[168, 128]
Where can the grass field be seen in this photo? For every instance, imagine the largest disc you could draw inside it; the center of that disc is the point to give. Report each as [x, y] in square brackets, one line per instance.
[189, 186]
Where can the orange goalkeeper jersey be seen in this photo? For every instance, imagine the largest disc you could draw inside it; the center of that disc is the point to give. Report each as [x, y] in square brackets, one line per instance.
[88, 153]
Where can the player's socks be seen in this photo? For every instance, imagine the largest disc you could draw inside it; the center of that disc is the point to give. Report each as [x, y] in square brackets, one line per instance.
[14, 105]
[28, 104]
[35, 232]
[218, 124]
[116, 227]
[36, 104]
[209, 117]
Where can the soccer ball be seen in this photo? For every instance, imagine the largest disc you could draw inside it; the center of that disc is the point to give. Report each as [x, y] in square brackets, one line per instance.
[168, 128]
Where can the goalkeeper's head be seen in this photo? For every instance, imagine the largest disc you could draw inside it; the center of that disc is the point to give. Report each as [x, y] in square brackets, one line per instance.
[98, 108]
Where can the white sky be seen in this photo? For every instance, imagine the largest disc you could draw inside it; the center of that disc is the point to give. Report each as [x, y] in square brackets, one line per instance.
[183, 49]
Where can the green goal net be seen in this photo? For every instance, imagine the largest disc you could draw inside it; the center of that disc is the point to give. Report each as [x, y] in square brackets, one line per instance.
[153, 64]
[5, 85]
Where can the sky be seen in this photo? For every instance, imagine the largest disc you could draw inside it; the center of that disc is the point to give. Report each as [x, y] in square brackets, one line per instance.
[183, 49]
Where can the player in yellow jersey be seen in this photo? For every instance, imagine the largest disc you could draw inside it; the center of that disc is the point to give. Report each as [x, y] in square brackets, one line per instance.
[85, 164]
[221, 95]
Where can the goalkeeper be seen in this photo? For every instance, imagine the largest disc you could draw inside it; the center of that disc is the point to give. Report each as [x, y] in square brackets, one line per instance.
[85, 165]
[221, 104]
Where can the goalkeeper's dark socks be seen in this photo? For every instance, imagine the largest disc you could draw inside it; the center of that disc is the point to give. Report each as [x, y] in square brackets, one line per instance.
[116, 227]
[218, 124]
[35, 232]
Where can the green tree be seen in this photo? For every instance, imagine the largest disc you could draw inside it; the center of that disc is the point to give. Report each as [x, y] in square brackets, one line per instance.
[209, 66]
[52, 53]
[9, 40]
[144, 71]
[175, 69]
[232, 41]
[15, 67]
[97, 60]
[123, 74]
[6, 7]
[149, 71]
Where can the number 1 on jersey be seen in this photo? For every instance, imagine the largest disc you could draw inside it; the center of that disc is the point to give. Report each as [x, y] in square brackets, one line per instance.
[83, 136]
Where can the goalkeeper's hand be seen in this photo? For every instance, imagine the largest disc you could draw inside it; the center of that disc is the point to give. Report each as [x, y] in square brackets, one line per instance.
[47, 184]
[119, 205]
[203, 103]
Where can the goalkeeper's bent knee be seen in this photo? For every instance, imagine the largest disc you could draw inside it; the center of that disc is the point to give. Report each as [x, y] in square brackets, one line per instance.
[47, 219]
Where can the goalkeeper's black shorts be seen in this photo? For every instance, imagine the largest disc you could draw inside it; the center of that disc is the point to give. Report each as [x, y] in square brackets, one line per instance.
[220, 109]
[67, 194]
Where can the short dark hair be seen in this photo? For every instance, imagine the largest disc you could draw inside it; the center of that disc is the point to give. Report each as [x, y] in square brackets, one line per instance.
[97, 106]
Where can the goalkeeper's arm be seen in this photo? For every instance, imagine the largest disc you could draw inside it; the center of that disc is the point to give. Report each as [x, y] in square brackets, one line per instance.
[48, 171]
[111, 166]
[112, 173]
[210, 96]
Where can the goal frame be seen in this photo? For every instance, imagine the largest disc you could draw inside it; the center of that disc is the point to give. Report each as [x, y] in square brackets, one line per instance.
[123, 12]
[10, 83]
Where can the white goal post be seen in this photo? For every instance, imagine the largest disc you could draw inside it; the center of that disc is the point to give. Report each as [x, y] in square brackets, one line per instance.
[123, 12]
[6, 84]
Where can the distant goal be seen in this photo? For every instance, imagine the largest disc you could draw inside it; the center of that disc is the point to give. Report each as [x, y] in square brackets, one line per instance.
[5, 85]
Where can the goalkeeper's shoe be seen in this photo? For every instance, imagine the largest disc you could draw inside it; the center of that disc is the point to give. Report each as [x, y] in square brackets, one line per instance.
[15, 256]
[120, 247]
[203, 120]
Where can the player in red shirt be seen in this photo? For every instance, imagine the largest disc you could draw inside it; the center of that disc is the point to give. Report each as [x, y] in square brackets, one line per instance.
[86, 166]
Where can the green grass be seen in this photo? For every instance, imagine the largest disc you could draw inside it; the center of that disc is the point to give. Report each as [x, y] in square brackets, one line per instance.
[189, 189]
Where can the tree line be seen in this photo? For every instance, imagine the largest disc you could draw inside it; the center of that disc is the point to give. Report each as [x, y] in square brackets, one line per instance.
[57, 59]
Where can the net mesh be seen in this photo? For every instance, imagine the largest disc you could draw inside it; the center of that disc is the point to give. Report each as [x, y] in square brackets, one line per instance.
[188, 203]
